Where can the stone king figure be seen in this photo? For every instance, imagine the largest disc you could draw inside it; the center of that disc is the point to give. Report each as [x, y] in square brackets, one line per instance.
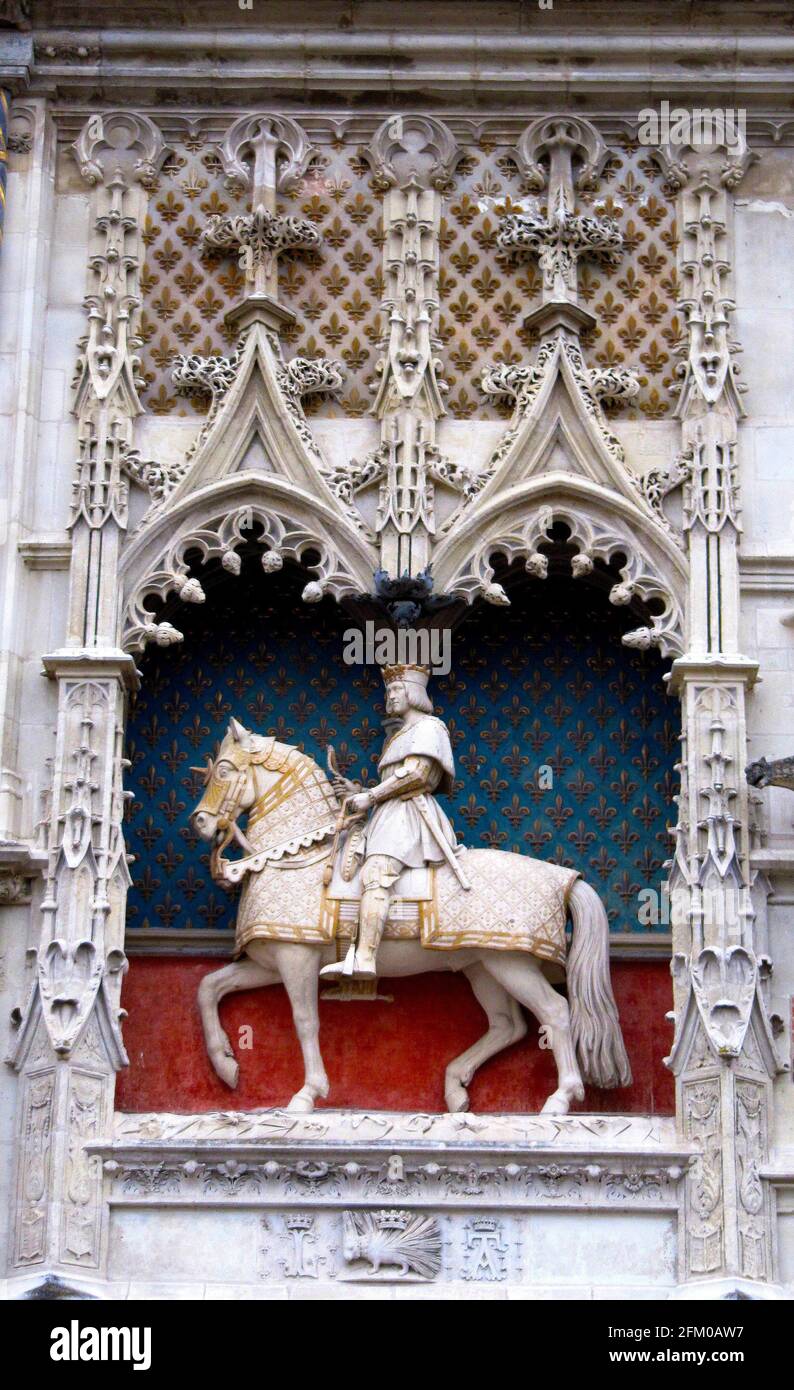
[407, 828]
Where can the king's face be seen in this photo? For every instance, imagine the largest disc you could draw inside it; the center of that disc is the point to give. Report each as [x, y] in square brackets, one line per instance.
[396, 698]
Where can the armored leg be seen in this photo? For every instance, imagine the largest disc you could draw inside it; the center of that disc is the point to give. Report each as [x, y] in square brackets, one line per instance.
[378, 876]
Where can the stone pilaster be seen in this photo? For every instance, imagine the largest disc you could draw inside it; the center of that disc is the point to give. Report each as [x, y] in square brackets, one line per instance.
[69, 1045]
[23, 278]
[723, 1055]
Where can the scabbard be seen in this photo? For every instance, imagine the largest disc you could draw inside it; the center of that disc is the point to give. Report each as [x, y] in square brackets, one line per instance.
[421, 807]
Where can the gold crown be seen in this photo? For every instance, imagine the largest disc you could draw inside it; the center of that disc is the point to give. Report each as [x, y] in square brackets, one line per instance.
[419, 675]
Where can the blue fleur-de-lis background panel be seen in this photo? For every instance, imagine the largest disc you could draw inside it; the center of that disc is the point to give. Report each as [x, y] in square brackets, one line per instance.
[564, 740]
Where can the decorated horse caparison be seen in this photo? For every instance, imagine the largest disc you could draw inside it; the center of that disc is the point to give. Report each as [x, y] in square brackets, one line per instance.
[361, 883]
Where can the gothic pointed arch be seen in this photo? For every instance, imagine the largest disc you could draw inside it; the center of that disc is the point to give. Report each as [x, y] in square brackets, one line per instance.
[601, 525]
[287, 522]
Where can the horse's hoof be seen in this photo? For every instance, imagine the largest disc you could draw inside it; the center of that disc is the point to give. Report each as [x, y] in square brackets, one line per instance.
[302, 1103]
[457, 1098]
[557, 1104]
[228, 1070]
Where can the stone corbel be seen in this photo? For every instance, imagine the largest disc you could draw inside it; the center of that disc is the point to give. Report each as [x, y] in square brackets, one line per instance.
[778, 773]
[20, 866]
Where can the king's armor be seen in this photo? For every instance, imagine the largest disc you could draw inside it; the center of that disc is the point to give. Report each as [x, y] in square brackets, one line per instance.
[406, 828]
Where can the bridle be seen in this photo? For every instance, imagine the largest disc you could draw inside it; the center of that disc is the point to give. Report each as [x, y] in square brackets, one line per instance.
[222, 797]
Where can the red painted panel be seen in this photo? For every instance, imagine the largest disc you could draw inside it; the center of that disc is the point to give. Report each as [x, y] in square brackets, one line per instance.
[378, 1056]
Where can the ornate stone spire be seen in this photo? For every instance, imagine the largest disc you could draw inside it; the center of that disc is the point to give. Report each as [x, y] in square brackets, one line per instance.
[723, 1054]
[267, 154]
[414, 158]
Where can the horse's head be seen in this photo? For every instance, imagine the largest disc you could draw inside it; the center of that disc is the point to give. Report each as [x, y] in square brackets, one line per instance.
[241, 773]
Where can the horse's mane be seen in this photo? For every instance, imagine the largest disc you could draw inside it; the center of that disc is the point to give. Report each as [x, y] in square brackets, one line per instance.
[279, 756]
[311, 802]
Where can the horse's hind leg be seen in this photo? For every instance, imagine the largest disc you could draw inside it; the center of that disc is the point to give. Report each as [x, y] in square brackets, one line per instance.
[241, 974]
[506, 1025]
[523, 978]
[299, 967]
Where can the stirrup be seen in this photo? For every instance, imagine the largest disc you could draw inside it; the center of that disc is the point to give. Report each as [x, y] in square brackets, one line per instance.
[339, 969]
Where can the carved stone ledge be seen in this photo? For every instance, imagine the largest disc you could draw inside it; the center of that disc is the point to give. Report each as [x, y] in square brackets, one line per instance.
[348, 1160]
[624, 1133]
[46, 552]
[20, 864]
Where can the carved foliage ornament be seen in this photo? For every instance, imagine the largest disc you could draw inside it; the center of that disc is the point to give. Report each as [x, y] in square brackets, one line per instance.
[258, 238]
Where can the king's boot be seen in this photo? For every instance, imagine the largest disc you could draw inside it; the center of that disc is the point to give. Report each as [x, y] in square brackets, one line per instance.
[360, 963]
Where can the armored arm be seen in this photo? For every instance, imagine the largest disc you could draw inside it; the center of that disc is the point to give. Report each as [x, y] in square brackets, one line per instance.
[416, 774]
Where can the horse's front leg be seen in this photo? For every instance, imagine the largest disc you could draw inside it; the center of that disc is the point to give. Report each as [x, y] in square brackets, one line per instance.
[241, 974]
[299, 967]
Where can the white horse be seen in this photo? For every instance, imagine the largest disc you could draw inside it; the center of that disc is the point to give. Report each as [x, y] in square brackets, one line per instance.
[292, 810]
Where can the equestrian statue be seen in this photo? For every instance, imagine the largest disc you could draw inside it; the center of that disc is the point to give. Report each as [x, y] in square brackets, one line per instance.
[343, 884]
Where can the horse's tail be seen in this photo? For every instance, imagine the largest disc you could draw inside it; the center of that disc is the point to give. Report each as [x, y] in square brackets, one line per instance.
[595, 1025]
